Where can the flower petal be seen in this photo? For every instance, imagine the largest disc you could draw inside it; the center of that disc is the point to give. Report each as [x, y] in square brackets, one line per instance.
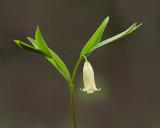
[88, 78]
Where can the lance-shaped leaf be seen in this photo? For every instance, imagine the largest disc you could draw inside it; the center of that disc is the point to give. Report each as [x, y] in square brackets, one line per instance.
[40, 42]
[52, 57]
[28, 47]
[95, 39]
[59, 65]
[55, 61]
[119, 36]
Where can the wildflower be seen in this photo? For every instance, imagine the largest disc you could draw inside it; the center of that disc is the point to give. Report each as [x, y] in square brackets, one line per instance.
[88, 78]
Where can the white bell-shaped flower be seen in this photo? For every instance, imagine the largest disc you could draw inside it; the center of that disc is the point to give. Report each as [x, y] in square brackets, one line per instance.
[88, 78]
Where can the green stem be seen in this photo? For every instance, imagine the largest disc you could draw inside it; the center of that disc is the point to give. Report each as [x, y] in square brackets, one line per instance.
[73, 105]
[75, 69]
[72, 94]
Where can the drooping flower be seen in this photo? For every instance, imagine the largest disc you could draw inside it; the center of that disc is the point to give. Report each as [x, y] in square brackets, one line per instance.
[88, 78]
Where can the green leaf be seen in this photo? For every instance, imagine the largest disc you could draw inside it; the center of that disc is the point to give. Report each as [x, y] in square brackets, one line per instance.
[55, 61]
[40, 42]
[28, 47]
[59, 65]
[41, 47]
[95, 39]
[52, 57]
[119, 36]
[32, 41]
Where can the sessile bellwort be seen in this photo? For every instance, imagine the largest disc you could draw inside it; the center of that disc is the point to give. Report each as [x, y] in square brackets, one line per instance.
[88, 78]
[39, 46]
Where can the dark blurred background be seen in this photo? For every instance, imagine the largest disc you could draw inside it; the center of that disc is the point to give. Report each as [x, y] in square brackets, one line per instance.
[34, 95]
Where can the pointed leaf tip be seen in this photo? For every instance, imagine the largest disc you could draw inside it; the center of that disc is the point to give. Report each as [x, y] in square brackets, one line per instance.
[38, 29]
[17, 42]
[137, 26]
[40, 42]
[106, 19]
[33, 42]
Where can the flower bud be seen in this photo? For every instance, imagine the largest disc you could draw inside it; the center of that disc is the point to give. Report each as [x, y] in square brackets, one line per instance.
[88, 78]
